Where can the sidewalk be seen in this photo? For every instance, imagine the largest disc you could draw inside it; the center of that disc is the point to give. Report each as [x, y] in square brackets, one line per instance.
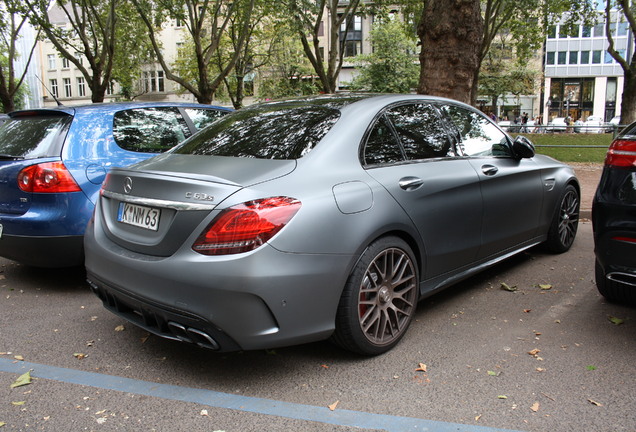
[589, 175]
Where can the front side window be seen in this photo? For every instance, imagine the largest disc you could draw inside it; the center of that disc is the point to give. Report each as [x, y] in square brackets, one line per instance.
[479, 136]
[420, 131]
[149, 130]
[285, 131]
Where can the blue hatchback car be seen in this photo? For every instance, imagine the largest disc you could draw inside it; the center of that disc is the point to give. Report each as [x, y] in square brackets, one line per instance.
[53, 162]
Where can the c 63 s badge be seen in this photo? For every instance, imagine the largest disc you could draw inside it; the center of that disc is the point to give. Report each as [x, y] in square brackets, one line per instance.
[199, 196]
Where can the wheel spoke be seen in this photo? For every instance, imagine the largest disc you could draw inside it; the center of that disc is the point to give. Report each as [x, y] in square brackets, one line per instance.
[387, 296]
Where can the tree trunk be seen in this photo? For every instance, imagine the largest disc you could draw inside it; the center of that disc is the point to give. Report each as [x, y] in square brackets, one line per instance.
[451, 34]
[628, 104]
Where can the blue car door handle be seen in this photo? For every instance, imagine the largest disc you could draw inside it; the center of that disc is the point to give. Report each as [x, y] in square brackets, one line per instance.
[410, 183]
[489, 170]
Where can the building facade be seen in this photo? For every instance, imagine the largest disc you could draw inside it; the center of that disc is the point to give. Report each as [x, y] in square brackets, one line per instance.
[581, 78]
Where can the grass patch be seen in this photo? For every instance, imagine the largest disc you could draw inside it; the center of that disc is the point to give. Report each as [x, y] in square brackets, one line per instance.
[560, 146]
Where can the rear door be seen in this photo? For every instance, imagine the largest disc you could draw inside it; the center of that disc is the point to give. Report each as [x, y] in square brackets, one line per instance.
[410, 153]
[512, 188]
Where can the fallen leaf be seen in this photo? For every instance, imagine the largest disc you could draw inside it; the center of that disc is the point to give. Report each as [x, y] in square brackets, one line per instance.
[100, 412]
[478, 417]
[502, 397]
[534, 352]
[545, 286]
[333, 406]
[120, 328]
[421, 368]
[204, 413]
[591, 368]
[22, 380]
[145, 338]
[535, 407]
[80, 356]
[615, 321]
[527, 310]
[324, 366]
[593, 402]
[19, 357]
[18, 403]
[540, 370]
[493, 373]
[2, 423]
[506, 287]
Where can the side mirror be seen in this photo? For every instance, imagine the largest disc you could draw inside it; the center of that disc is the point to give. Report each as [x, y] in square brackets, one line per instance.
[523, 147]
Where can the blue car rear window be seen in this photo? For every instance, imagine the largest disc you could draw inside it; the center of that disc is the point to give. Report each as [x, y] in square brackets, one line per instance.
[271, 132]
[30, 137]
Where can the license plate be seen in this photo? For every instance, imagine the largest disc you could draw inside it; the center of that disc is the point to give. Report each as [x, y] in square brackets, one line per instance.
[139, 216]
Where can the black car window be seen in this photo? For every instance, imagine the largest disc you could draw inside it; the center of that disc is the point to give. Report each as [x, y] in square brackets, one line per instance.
[479, 136]
[149, 130]
[382, 146]
[33, 136]
[420, 131]
[268, 132]
[203, 117]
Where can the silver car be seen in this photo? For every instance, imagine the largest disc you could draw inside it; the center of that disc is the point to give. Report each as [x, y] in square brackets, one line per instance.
[328, 217]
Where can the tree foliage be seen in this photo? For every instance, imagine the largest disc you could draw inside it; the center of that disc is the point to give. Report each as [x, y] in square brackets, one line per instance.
[12, 21]
[392, 66]
[206, 23]
[307, 17]
[91, 33]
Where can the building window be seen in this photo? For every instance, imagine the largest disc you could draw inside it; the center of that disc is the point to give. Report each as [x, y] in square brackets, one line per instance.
[51, 59]
[68, 91]
[622, 29]
[552, 32]
[587, 31]
[585, 57]
[78, 56]
[599, 30]
[81, 87]
[53, 89]
[562, 57]
[65, 63]
[574, 57]
[153, 81]
[608, 58]
[549, 58]
[596, 57]
[353, 37]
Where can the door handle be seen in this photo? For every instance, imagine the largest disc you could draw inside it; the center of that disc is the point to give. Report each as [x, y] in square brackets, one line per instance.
[489, 170]
[410, 183]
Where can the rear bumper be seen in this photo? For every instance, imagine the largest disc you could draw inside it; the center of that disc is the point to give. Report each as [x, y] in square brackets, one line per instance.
[50, 252]
[256, 300]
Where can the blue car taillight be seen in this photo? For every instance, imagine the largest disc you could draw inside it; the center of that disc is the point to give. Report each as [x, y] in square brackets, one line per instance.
[48, 177]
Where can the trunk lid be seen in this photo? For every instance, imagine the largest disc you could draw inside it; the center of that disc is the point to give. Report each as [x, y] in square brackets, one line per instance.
[155, 206]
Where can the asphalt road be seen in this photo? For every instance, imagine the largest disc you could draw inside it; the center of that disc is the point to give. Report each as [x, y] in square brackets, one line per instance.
[541, 358]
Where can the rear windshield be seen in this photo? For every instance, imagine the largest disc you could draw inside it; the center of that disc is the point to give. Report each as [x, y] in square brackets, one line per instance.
[30, 137]
[268, 132]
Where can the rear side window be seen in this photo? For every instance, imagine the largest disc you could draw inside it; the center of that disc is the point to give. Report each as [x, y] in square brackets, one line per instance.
[149, 130]
[203, 117]
[270, 132]
[30, 137]
[382, 146]
[421, 132]
[479, 137]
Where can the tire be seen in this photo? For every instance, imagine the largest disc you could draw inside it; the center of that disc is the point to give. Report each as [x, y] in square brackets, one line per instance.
[565, 222]
[613, 291]
[379, 298]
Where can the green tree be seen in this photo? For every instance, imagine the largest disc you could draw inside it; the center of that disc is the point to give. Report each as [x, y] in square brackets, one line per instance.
[624, 11]
[391, 67]
[307, 17]
[206, 23]
[12, 21]
[92, 33]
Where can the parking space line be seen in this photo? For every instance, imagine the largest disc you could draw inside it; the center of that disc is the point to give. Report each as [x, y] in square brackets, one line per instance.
[339, 417]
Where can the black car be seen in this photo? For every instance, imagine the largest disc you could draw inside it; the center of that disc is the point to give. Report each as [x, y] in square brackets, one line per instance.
[614, 221]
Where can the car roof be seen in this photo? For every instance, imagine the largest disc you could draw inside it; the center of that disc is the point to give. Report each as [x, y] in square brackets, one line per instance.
[111, 107]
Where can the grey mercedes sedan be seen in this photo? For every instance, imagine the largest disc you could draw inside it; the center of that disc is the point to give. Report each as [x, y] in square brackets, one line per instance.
[327, 217]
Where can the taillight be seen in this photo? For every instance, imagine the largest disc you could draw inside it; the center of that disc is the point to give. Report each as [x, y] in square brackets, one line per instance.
[246, 226]
[621, 153]
[49, 177]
